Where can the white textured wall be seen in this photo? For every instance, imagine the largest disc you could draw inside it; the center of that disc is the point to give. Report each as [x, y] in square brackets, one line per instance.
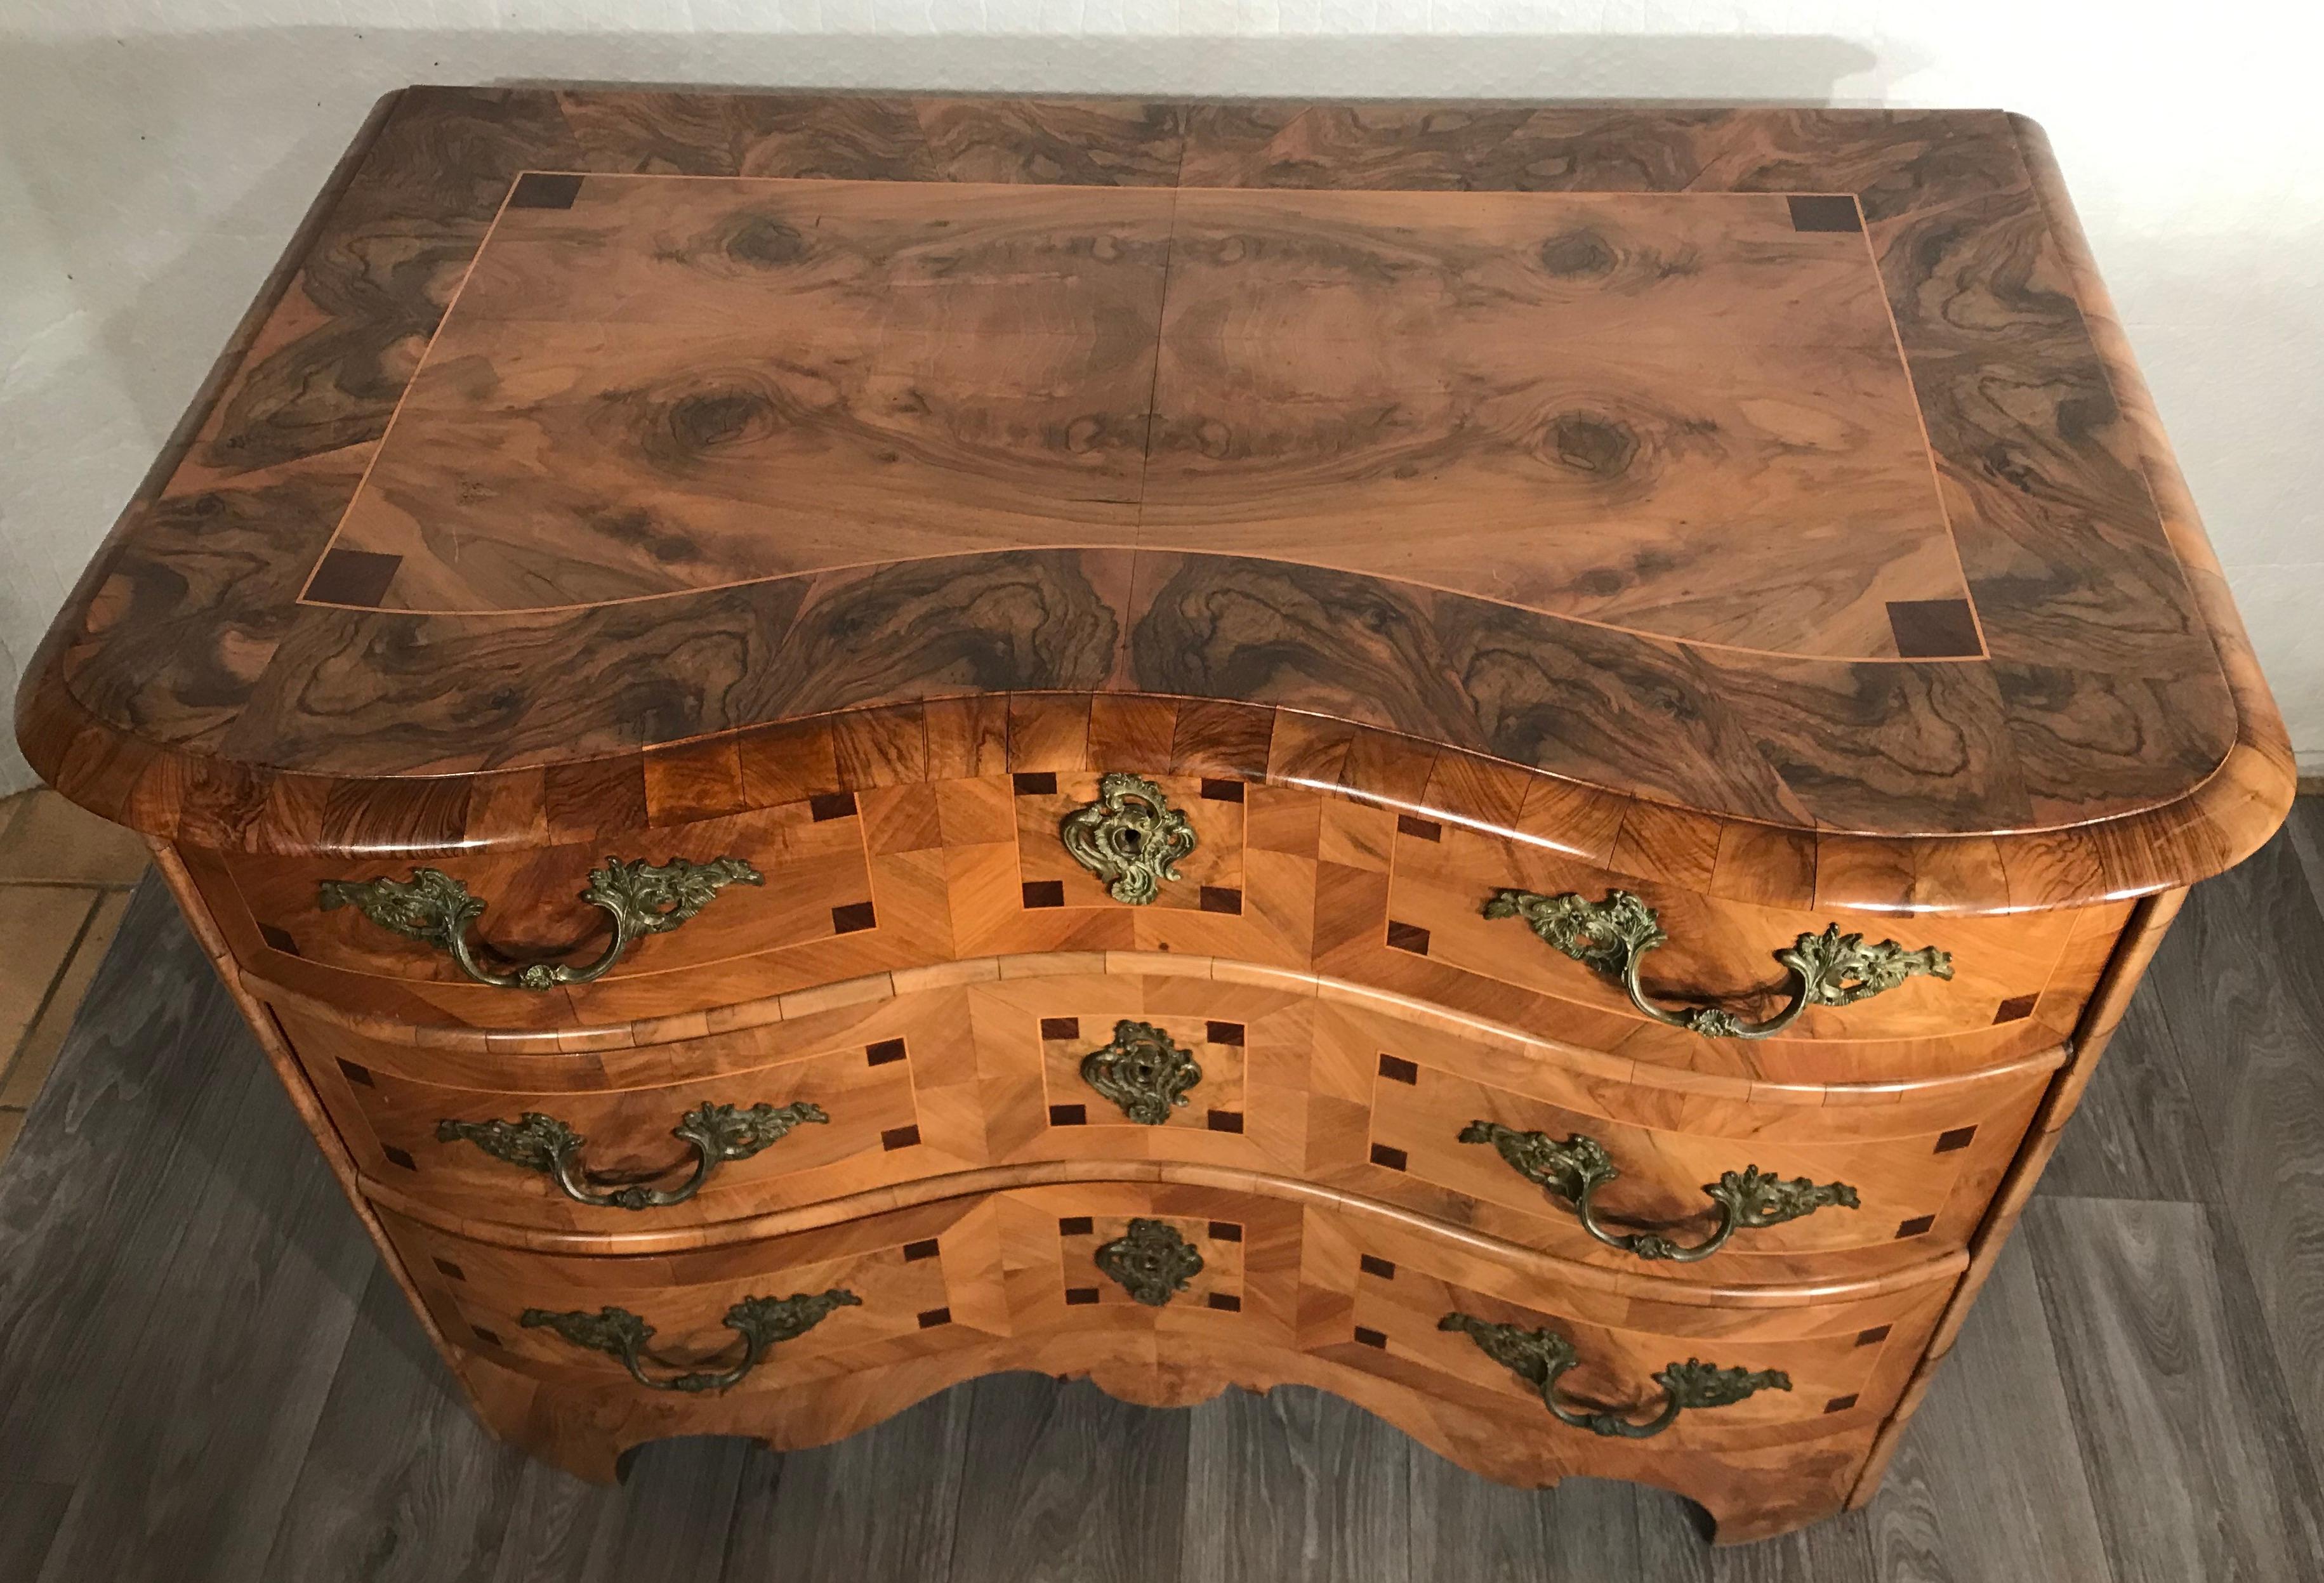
[155, 156]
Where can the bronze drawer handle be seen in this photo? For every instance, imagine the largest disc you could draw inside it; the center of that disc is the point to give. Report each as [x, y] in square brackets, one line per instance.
[760, 1322]
[1539, 1358]
[718, 1133]
[641, 898]
[1614, 936]
[1150, 1261]
[1577, 1168]
[1130, 838]
[1142, 1072]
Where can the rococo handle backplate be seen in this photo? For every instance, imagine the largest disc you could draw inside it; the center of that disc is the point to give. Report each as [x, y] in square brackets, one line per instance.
[1539, 1358]
[1130, 838]
[641, 898]
[1614, 936]
[1577, 1168]
[717, 1134]
[760, 1322]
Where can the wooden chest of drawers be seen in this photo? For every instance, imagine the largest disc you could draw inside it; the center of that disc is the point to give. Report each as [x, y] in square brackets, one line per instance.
[1509, 761]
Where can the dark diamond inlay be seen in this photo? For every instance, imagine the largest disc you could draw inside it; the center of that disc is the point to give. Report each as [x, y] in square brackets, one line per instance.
[1409, 937]
[536, 190]
[1933, 629]
[353, 577]
[1825, 212]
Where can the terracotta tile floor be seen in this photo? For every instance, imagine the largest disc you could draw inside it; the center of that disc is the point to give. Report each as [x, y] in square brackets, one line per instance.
[65, 877]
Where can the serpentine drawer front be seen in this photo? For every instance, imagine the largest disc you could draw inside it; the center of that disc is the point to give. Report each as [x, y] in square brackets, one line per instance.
[1063, 1061]
[1411, 913]
[1512, 763]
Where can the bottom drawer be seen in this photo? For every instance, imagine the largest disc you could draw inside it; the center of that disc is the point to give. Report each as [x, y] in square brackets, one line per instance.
[1168, 1292]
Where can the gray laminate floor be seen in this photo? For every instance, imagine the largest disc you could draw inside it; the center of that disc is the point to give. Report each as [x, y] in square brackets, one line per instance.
[203, 1376]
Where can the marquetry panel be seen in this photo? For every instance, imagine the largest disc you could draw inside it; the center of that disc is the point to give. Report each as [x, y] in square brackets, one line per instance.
[1248, 1111]
[1210, 878]
[1285, 1287]
[1368, 1099]
[1389, 1096]
[1218, 1287]
[1352, 890]
[816, 884]
[897, 1079]
[1409, 914]
[1374, 1301]
[1920, 1186]
[1717, 953]
[926, 1281]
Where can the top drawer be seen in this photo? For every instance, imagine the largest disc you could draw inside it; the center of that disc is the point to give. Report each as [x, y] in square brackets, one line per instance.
[787, 899]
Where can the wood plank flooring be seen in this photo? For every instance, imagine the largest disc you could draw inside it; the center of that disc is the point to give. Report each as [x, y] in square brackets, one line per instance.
[204, 1375]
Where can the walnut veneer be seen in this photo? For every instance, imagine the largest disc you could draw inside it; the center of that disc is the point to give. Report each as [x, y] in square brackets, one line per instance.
[1459, 520]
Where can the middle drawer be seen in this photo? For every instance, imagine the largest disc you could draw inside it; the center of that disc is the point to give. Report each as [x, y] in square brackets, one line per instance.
[1042, 1065]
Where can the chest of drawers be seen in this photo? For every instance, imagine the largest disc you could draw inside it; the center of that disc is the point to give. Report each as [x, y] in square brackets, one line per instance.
[1512, 762]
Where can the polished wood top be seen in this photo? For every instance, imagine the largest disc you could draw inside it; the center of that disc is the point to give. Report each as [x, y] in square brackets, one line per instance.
[1779, 470]
[666, 384]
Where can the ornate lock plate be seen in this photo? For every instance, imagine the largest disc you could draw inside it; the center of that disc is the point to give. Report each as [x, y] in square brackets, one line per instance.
[1142, 1072]
[1130, 838]
[1150, 1261]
